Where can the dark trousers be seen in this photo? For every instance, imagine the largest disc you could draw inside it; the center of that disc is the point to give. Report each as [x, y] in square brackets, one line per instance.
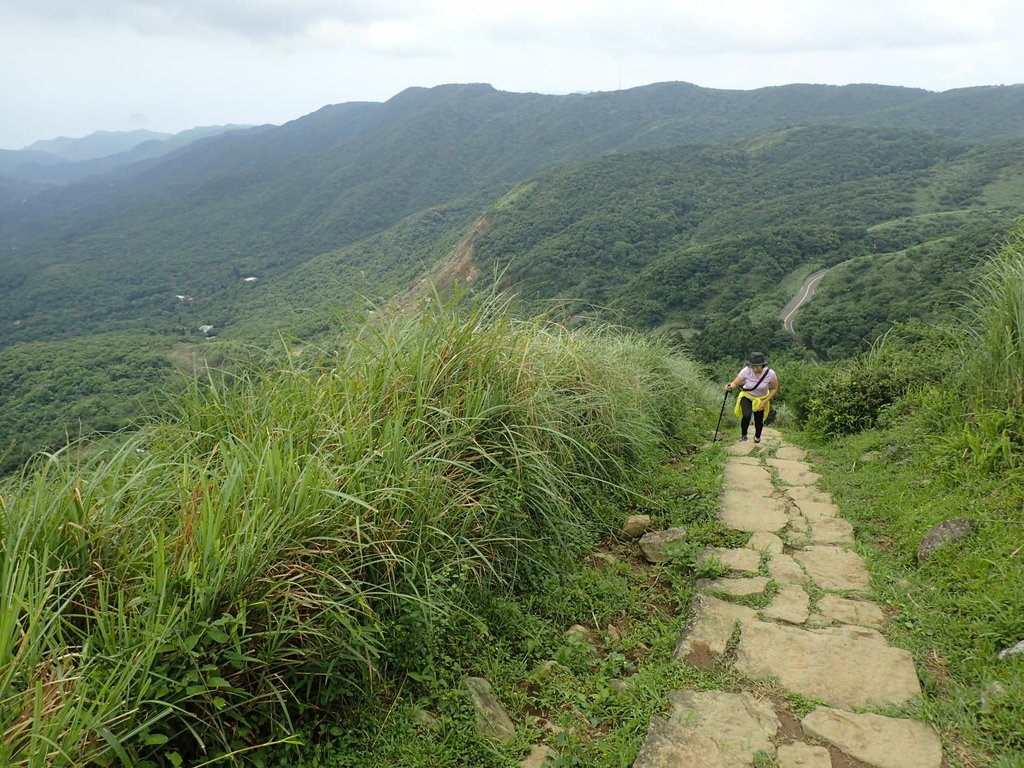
[746, 407]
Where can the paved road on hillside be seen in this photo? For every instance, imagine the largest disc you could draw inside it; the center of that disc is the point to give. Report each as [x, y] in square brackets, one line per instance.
[802, 297]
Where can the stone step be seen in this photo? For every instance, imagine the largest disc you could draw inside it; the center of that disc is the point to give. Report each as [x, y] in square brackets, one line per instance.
[747, 511]
[881, 742]
[706, 729]
[847, 666]
[844, 669]
[794, 472]
[737, 561]
[834, 568]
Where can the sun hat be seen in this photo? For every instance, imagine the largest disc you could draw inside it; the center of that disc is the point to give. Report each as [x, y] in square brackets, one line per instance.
[756, 358]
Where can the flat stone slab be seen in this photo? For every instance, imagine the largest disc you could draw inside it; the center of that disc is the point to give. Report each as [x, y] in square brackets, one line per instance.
[667, 746]
[748, 511]
[739, 560]
[801, 755]
[790, 604]
[753, 461]
[834, 568]
[790, 453]
[737, 723]
[858, 612]
[797, 521]
[833, 531]
[844, 671]
[709, 630]
[740, 448]
[794, 472]
[814, 504]
[857, 633]
[882, 742]
[763, 541]
[743, 476]
[755, 585]
[783, 569]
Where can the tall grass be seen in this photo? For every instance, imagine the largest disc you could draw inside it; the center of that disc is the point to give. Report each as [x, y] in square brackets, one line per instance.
[283, 539]
[993, 387]
[997, 331]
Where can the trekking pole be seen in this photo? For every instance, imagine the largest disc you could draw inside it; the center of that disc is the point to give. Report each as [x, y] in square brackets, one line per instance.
[720, 415]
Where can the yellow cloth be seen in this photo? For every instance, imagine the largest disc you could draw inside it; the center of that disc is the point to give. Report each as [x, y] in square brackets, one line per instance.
[755, 403]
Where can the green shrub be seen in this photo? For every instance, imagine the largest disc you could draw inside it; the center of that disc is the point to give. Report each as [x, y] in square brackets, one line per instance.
[853, 395]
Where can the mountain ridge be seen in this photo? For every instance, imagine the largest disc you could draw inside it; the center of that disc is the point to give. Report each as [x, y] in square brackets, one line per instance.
[342, 210]
[267, 199]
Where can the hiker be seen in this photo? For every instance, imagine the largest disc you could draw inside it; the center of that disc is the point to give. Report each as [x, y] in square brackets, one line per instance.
[757, 384]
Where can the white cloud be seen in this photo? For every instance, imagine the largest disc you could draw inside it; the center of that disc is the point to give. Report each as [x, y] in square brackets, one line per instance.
[256, 19]
[70, 67]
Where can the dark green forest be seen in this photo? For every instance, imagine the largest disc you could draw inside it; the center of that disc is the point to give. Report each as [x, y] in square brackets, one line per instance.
[691, 210]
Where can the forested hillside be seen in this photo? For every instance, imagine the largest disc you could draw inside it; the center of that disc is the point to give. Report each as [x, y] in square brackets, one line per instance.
[262, 202]
[703, 238]
[665, 206]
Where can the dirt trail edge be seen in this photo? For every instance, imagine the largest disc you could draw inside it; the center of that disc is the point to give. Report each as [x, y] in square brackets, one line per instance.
[817, 635]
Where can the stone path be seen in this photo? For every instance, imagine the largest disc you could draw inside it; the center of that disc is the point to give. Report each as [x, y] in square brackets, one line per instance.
[817, 635]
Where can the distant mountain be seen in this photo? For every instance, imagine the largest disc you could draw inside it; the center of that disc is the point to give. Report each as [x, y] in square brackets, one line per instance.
[98, 144]
[111, 252]
[63, 161]
[672, 206]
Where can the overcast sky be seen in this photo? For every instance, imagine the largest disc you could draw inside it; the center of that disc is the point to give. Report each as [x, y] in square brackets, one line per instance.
[71, 67]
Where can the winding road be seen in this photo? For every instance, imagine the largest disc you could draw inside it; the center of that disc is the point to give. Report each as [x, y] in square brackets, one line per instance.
[804, 295]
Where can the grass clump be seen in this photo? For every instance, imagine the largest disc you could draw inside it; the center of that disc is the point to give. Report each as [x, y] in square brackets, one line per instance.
[295, 538]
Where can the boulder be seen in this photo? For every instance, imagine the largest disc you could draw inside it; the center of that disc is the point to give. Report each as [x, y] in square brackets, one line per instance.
[662, 546]
[491, 718]
[636, 526]
[1015, 650]
[943, 533]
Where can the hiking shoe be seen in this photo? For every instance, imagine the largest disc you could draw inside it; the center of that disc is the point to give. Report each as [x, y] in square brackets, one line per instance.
[757, 439]
[743, 438]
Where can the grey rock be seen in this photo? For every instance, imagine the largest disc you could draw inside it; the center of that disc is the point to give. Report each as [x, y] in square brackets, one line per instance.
[990, 696]
[491, 718]
[543, 669]
[1015, 650]
[636, 526]
[943, 533]
[425, 719]
[662, 546]
[579, 632]
[537, 758]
